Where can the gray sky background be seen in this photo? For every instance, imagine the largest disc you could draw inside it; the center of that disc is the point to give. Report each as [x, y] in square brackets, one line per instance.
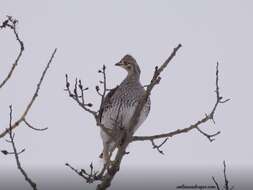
[91, 33]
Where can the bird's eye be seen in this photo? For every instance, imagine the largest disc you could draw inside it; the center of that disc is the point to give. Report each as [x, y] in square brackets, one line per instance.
[126, 63]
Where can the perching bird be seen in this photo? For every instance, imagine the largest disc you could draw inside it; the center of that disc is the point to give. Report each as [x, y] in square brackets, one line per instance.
[120, 104]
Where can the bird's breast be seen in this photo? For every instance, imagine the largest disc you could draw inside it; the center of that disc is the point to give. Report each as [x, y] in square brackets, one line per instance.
[120, 115]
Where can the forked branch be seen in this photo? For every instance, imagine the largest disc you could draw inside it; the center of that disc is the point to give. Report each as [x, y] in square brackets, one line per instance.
[196, 125]
[29, 105]
[77, 94]
[90, 176]
[17, 153]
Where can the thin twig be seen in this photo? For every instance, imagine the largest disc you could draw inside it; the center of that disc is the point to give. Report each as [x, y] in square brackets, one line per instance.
[226, 182]
[34, 128]
[225, 176]
[35, 95]
[11, 24]
[5, 152]
[104, 82]
[157, 147]
[79, 99]
[210, 137]
[19, 166]
[216, 183]
[89, 177]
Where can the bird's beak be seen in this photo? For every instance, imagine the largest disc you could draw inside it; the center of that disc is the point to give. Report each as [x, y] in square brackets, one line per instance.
[118, 64]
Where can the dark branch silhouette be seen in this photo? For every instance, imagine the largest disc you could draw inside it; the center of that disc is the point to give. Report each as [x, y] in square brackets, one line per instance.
[90, 176]
[216, 183]
[16, 154]
[11, 24]
[226, 182]
[34, 128]
[158, 147]
[77, 94]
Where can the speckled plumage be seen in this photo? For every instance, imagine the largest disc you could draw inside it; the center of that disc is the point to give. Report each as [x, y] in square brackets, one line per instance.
[120, 103]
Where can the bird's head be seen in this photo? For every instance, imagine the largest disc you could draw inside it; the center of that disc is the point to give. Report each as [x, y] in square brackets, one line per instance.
[130, 65]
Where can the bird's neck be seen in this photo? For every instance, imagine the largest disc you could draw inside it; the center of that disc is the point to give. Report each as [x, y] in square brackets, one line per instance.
[131, 79]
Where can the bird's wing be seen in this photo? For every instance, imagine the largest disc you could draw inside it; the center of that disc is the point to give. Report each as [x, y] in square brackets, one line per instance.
[107, 102]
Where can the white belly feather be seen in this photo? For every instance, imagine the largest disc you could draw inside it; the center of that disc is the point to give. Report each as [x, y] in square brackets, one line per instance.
[124, 116]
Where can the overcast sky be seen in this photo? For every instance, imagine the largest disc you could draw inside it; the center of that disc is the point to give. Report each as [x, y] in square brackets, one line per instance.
[89, 34]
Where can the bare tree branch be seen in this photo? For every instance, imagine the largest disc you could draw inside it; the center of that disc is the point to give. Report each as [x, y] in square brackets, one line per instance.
[104, 86]
[90, 176]
[16, 154]
[77, 94]
[226, 182]
[196, 125]
[216, 183]
[157, 147]
[210, 137]
[225, 175]
[79, 98]
[11, 24]
[34, 128]
[35, 95]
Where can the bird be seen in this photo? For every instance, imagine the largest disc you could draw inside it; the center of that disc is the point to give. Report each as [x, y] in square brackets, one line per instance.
[119, 105]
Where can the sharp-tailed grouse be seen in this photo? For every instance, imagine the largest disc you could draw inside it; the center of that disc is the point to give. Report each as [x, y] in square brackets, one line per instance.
[120, 103]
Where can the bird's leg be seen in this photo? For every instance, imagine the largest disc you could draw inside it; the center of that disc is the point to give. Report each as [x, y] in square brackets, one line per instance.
[105, 153]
